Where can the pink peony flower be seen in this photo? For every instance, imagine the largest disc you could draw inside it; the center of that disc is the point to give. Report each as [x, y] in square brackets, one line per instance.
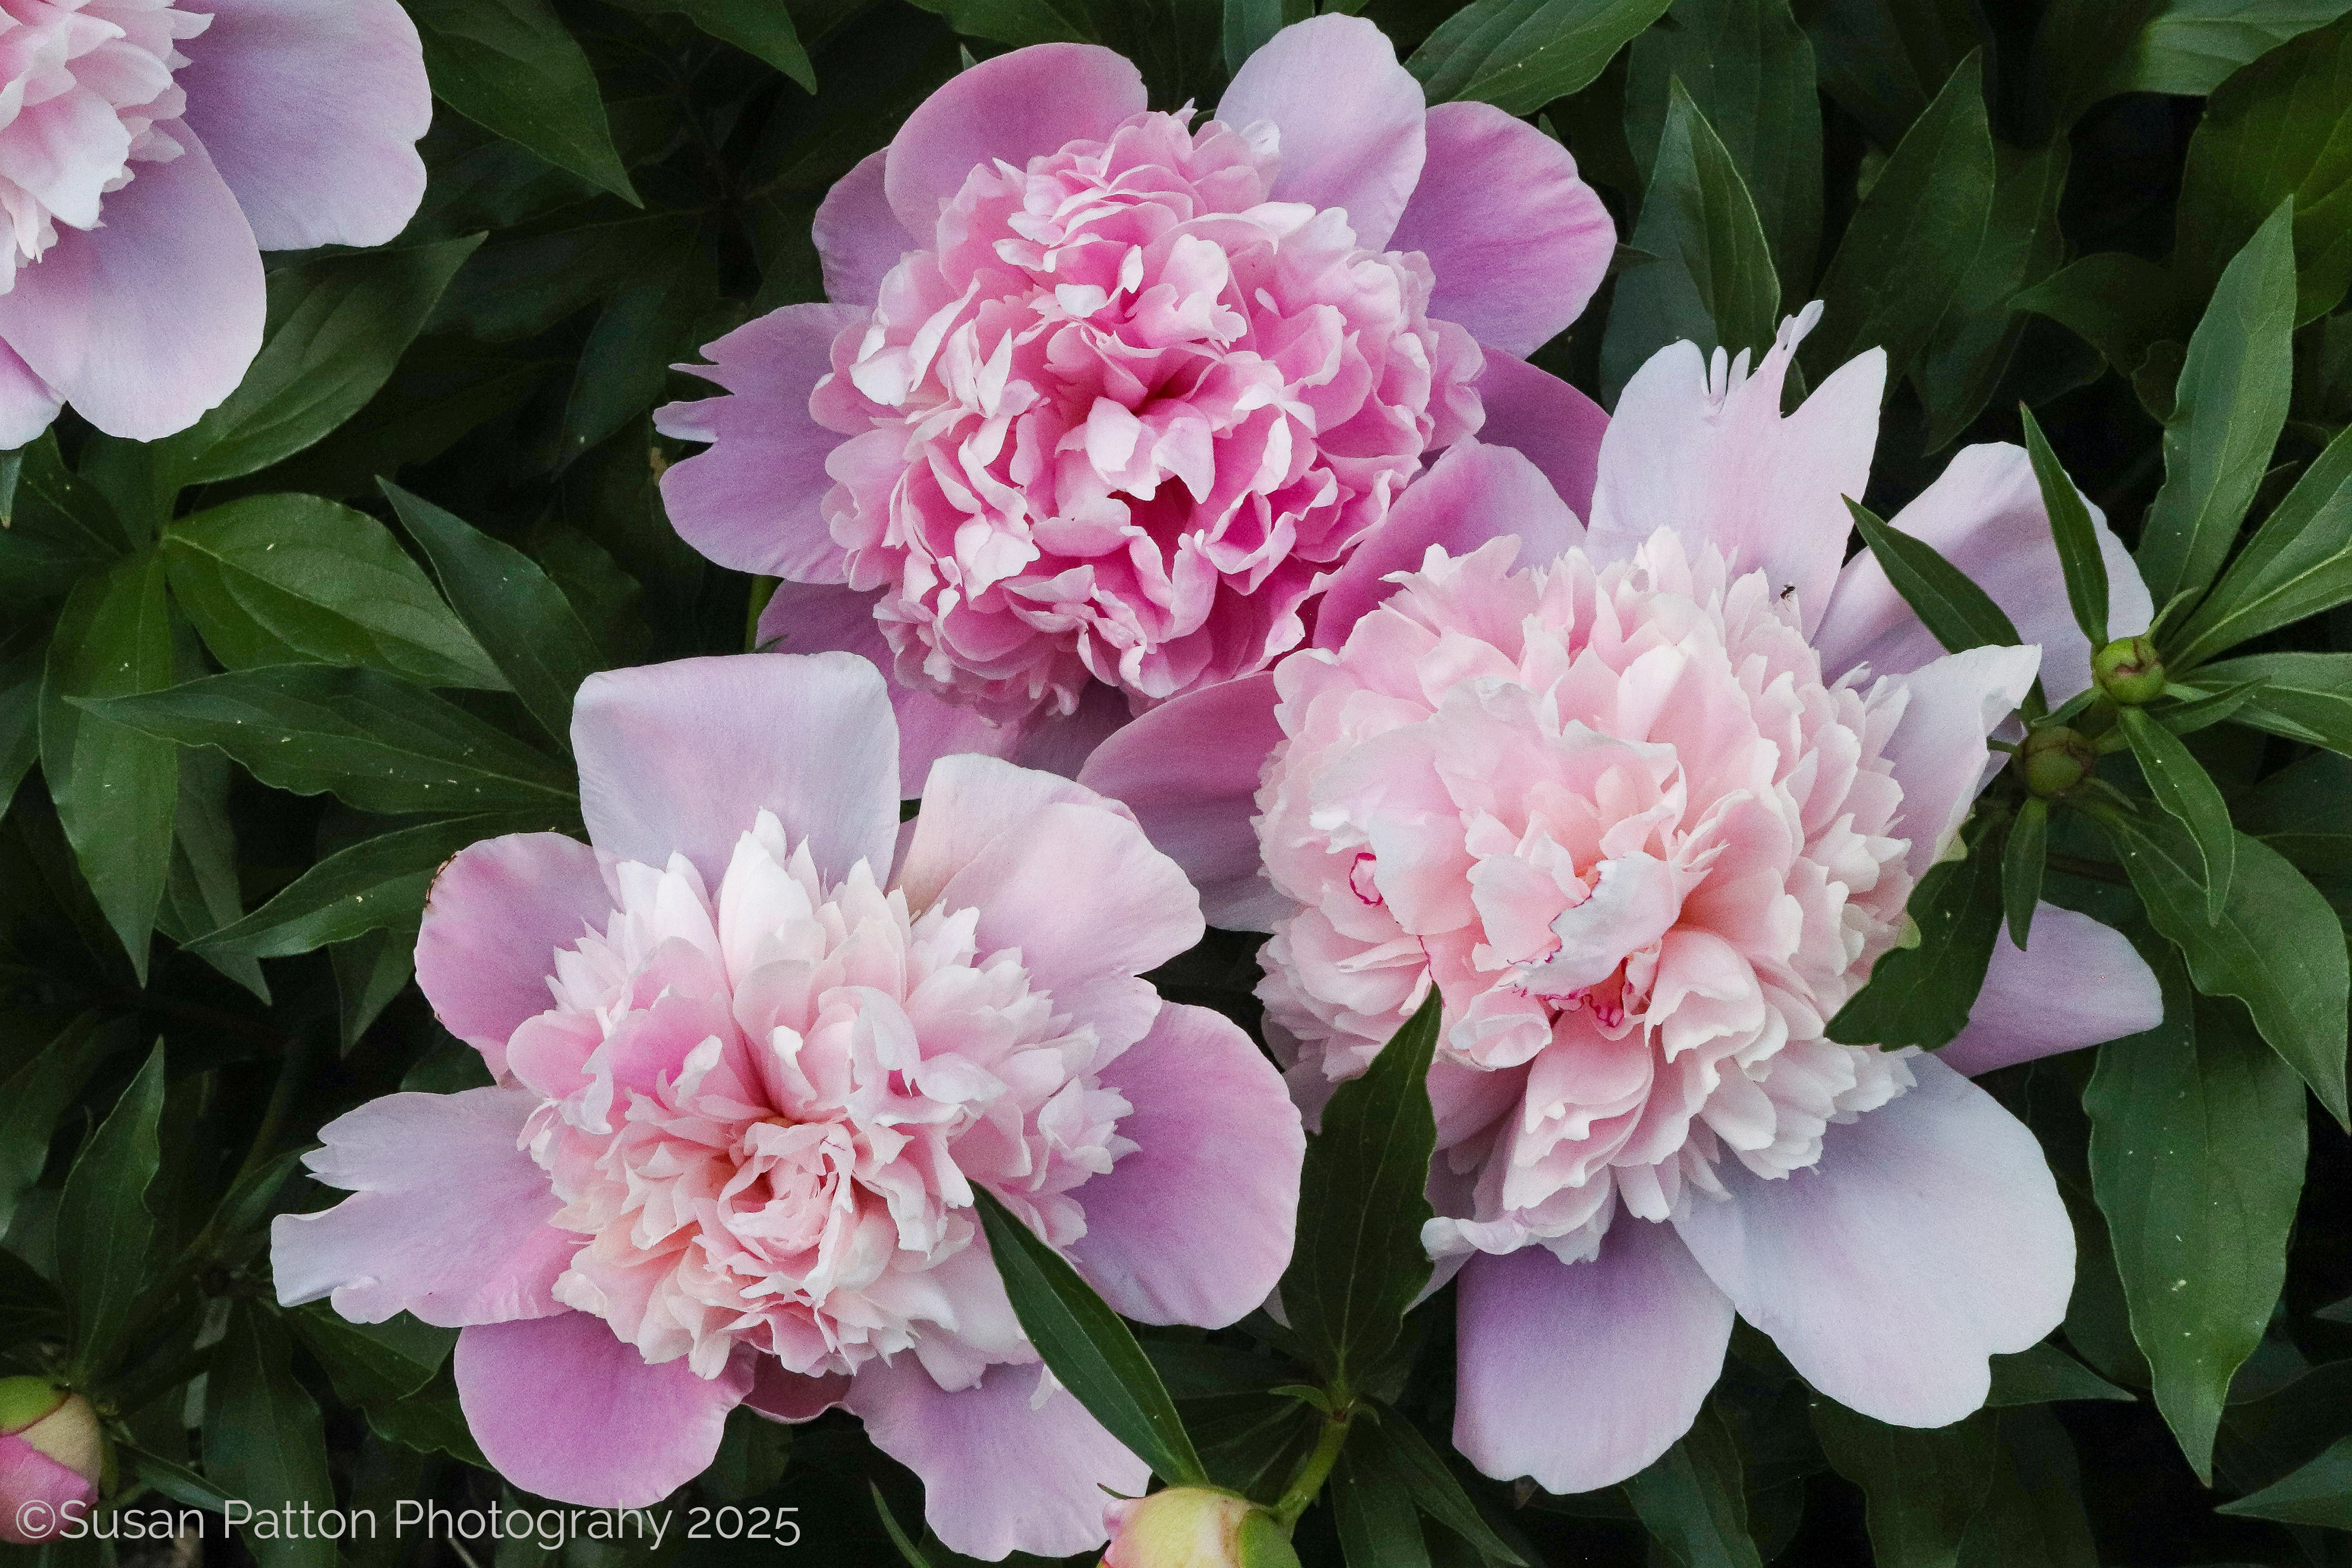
[1104, 398]
[149, 153]
[1645, 807]
[735, 1159]
[52, 1455]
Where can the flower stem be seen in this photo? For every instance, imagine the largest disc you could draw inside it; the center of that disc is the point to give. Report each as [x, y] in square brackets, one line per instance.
[1315, 1468]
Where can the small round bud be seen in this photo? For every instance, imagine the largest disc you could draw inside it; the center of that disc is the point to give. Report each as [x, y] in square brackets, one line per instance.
[1195, 1527]
[2055, 760]
[2129, 670]
[52, 1455]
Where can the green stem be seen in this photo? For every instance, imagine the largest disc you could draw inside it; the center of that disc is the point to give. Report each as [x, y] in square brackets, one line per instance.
[1315, 1468]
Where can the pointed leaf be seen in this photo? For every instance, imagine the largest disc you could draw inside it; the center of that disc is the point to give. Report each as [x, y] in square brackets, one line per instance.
[1519, 54]
[1960, 615]
[2070, 526]
[509, 66]
[103, 1222]
[1377, 1523]
[1393, 1449]
[2319, 1493]
[2044, 1375]
[1921, 996]
[263, 1443]
[2183, 787]
[1692, 1499]
[2022, 867]
[35, 1095]
[2298, 563]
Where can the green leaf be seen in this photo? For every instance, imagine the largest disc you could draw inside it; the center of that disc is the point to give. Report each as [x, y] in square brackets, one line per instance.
[1019, 22]
[175, 1481]
[2076, 536]
[2320, 1493]
[372, 1364]
[1360, 1262]
[2231, 401]
[1519, 54]
[1995, 1490]
[1086, 1345]
[1394, 1449]
[378, 744]
[2191, 47]
[1246, 25]
[753, 1454]
[1960, 615]
[2299, 812]
[509, 66]
[286, 579]
[532, 630]
[2021, 864]
[63, 530]
[1377, 1523]
[371, 971]
[907, 1551]
[1713, 281]
[1974, 343]
[2298, 563]
[2043, 1375]
[1921, 996]
[1692, 1497]
[2121, 305]
[263, 1440]
[2197, 1150]
[2186, 791]
[116, 788]
[1885, 60]
[429, 1421]
[624, 364]
[2306, 696]
[761, 28]
[103, 1222]
[35, 1095]
[201, 895]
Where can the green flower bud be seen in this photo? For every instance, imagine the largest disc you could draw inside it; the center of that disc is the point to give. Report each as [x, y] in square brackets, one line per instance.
[1196, 1527]
[2054, 761]
[2129, 670]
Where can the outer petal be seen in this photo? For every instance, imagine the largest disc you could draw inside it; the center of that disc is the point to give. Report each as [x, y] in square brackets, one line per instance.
[1189, 770]
[2075, 983]
[152, 318]
[683, 757]
[782, 1395]
[1929, 1238]
[967, 803]
[998, 1476]
[1580, 1373]
[755, 502]
[311, 109]
[1350, 119]
[448, 1217]
[1196, 1226]
[27, 405]
[1938, 749]
[29, 1476]
[1701, 449]
[496, 915]
[1557, 428]
[858, 238]
[563, 1409]
[1015, 107]
[1984, 514]
[1519, 243]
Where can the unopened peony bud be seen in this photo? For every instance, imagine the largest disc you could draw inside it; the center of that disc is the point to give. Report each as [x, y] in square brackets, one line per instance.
[2130, 670]
[51, 1455]
[1195, 1527]
[2055, 761]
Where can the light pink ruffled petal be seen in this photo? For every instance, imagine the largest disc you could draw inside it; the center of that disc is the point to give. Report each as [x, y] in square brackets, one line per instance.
[1351, 118]
[27, 405]
[311, 109]
[1517, 241]
[2075, 982]
[1702, 449]
[448, 1217]
[858, 238]
[754, 501]
[1556, 427]
[1215, 1176]
[562, 1408]
[782, 1395]
[1189, 770]
[1937, 748]
[683, 757]
[967, 803]
[496, 915]
[1014, 106]
[1929, 1238]
[1580, 1373]
[1984, 514]
[998, 1476]
[147, 321]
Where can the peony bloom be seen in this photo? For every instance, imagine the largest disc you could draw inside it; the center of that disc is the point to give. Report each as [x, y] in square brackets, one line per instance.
[51, 1457]
[1645, 800]
[1103, 398]
[1194, 1527]
[753, 1052]
[149, 152]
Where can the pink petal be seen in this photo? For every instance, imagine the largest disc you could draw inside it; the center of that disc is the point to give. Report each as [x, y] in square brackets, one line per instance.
[1196, 1226]
[998, 1476]
[969, 802]
[1929, 1238]
[564, 1409]
[1189, 770]
[147, 321]
[1581, 1373]
[1938, 749]
[28, 1476]
[1519, 243]
[1557, 428]
[496, 915]
[858, 238]
[683, 757]
[311, 109]
[26, 405]
[754, 501]
[448, 1217]
[1683, 452]
[1984, 514]
[782, 1395]
[2075, 982]
[1351, 118]
[1014, 106]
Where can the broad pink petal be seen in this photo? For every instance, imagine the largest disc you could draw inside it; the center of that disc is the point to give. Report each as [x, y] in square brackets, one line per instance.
[1517, 241]
[998, 1476]
[448, 1217]
[496, 915]
[1556, 427]
[1189, 770]
[152, 318]
[754, 501]
[562, 1408]
[1938, 746]
[1351, 118]
[1929, 1238]
[683, 757]
[782, 1395]
[967, 803]
[1194, 1226]
[1013, 106]
[29, 1476]
[1580, 1373]
[27, 407]
[858, 238]
[311, 109]
[2075, 982]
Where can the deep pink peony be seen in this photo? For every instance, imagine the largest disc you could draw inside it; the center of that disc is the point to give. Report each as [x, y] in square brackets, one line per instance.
[1106, 397]
[735, 1159]
[149, 150]
[1645, 801]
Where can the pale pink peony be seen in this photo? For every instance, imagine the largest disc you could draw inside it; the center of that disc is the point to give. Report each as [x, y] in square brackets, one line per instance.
[149, 152]
[1106, 397]
[1645, 801]
[735, 1159]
